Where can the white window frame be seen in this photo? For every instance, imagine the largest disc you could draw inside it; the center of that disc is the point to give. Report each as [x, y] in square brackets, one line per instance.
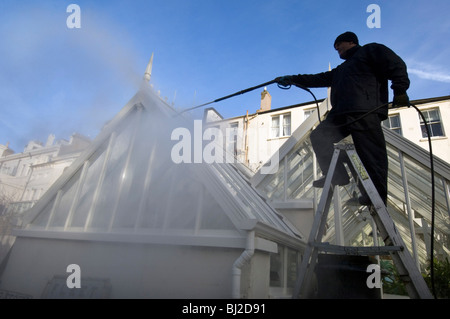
[307, 113]
[284, 269]
[232, 138]
[388, 123]
[430, 124]
[280, 132]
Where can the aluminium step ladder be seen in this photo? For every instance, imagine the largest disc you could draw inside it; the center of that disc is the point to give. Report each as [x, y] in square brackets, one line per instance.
[394, 244]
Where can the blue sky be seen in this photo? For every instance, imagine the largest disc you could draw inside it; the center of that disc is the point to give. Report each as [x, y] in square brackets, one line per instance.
[56, 80]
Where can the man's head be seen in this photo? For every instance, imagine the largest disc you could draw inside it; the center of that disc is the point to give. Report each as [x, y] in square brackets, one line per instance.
[344, 42]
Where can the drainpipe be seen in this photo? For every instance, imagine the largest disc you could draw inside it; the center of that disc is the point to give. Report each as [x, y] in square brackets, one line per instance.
[240, 262]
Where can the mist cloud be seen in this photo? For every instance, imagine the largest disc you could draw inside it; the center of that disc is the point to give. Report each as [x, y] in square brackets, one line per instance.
[60, 80]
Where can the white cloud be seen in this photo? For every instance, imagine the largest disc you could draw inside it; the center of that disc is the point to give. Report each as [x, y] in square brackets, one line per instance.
[430, 75]
[429, 70]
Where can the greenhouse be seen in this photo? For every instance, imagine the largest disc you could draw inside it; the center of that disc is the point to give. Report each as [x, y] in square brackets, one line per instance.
[139, 225]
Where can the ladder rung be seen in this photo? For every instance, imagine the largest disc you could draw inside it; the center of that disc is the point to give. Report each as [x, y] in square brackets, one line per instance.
[355, 250]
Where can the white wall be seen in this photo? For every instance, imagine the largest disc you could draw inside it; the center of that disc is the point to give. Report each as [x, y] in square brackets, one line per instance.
[410, 122]
[134, 270]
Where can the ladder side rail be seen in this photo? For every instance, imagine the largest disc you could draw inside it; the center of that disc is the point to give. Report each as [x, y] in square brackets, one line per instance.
[318, 227]
[406, 267]
[310, 258]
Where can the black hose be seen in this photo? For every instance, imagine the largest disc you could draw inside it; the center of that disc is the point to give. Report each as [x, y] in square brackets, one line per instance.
[310, 92]
[432, 201]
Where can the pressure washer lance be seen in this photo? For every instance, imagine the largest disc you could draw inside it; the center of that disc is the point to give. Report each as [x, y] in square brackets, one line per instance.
[228, 96]
[251, 89]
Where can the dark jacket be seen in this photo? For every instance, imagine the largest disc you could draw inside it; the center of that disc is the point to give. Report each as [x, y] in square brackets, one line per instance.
[360, 84]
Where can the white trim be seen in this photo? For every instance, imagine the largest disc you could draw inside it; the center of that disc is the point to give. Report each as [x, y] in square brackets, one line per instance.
[175, 237]
[293, 204]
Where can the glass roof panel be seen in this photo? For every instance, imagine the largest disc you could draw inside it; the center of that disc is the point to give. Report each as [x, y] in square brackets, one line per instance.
[87, 189]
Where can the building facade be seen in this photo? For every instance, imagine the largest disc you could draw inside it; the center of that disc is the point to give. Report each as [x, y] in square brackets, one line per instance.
[26, 176]
[254, 138]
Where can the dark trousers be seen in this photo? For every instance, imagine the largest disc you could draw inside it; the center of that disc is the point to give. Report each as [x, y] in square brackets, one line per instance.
[368, 138]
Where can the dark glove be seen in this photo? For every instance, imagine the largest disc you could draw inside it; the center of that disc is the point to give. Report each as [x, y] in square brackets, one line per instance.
[401, 100]
[284, 80]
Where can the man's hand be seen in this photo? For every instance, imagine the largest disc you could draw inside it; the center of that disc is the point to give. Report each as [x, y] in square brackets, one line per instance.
[284, 80]
[401, 100]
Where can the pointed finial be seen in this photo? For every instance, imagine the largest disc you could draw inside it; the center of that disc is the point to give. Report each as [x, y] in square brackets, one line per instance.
[148, 70]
